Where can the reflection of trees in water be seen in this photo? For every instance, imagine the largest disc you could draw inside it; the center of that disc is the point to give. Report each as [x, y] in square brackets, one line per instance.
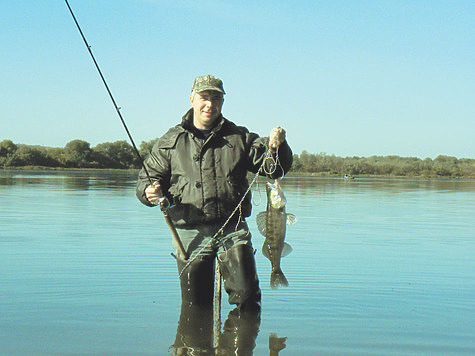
[123, 180]
[304, 185]
[72, 180]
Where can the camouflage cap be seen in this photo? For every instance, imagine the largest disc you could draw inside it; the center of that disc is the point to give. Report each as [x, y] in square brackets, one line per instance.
[207, 82]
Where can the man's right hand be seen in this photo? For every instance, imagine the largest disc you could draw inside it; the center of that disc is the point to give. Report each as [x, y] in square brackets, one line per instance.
[153, 193]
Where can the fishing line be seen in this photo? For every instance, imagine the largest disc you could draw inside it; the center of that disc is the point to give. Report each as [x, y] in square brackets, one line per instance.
[238, 206]
[275, 163]
[117, 108]
[257, 201]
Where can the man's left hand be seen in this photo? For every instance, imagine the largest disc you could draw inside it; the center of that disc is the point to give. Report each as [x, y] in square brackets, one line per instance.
[276, 137]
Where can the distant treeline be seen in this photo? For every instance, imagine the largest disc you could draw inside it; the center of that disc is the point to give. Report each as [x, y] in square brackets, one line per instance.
[120, 155]
[442, 166]
[76, 154]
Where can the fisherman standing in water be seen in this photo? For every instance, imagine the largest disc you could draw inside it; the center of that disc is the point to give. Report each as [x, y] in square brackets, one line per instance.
[200, 166]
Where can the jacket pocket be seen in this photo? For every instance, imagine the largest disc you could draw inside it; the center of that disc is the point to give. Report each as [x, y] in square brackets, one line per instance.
[177, 189]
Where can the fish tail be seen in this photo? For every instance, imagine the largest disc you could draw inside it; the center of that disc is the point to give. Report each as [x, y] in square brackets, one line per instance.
[277, 278]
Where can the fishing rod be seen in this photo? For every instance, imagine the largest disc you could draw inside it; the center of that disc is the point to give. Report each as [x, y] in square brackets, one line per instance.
[117, 109]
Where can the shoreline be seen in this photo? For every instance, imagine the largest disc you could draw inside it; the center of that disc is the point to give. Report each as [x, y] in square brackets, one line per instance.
[290, 174]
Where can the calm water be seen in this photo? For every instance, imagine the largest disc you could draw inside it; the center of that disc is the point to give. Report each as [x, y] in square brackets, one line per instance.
[379, 267]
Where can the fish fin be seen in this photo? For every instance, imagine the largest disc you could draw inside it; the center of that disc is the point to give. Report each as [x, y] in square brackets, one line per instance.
[265, 251]
[291, 219]
[277, 278]
[286, 250]
[261, 222]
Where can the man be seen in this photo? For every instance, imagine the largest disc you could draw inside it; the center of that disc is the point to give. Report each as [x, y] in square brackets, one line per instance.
[200, 166]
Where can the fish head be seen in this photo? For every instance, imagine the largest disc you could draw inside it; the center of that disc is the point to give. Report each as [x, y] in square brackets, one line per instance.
[275, 195]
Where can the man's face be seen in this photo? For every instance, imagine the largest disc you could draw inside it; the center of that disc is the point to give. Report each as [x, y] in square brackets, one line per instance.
[206, 106]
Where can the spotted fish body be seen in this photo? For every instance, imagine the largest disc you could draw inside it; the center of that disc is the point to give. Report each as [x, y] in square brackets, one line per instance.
[272, 224]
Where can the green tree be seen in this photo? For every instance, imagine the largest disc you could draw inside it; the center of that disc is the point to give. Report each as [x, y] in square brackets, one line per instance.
[26, 156]
[296, 164]
[309, 162]
[118, 154]
[441, 159]
[146, 147]
[7, 147]
[57, 155]
[77, 153]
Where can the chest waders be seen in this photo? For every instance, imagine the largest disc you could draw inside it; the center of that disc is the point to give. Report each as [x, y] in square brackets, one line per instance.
[238, 268]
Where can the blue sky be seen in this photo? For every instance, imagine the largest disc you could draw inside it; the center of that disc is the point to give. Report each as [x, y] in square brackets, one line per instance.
[342, 77]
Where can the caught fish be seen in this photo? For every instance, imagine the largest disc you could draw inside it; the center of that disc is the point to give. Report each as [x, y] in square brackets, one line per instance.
[272, 224]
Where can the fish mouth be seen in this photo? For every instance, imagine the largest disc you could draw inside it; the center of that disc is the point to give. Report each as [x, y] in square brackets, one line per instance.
[273, 185]
[276, 195]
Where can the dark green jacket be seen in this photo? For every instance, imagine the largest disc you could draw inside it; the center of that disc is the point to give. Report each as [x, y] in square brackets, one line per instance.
[205, 177]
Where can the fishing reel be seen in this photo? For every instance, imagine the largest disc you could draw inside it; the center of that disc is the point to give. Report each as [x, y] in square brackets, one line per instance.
[164, 203]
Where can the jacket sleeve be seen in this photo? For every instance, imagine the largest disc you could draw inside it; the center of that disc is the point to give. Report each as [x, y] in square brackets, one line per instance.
[158, 166]
[274, 162]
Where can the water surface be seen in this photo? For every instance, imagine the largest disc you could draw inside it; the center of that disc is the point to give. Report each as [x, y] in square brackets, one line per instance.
[379, 267]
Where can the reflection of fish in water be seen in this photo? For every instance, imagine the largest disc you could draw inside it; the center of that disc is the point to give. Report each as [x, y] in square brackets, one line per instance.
[272, 224]
[276, 344]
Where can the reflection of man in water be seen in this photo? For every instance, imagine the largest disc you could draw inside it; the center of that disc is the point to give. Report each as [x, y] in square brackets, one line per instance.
[194, 335]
